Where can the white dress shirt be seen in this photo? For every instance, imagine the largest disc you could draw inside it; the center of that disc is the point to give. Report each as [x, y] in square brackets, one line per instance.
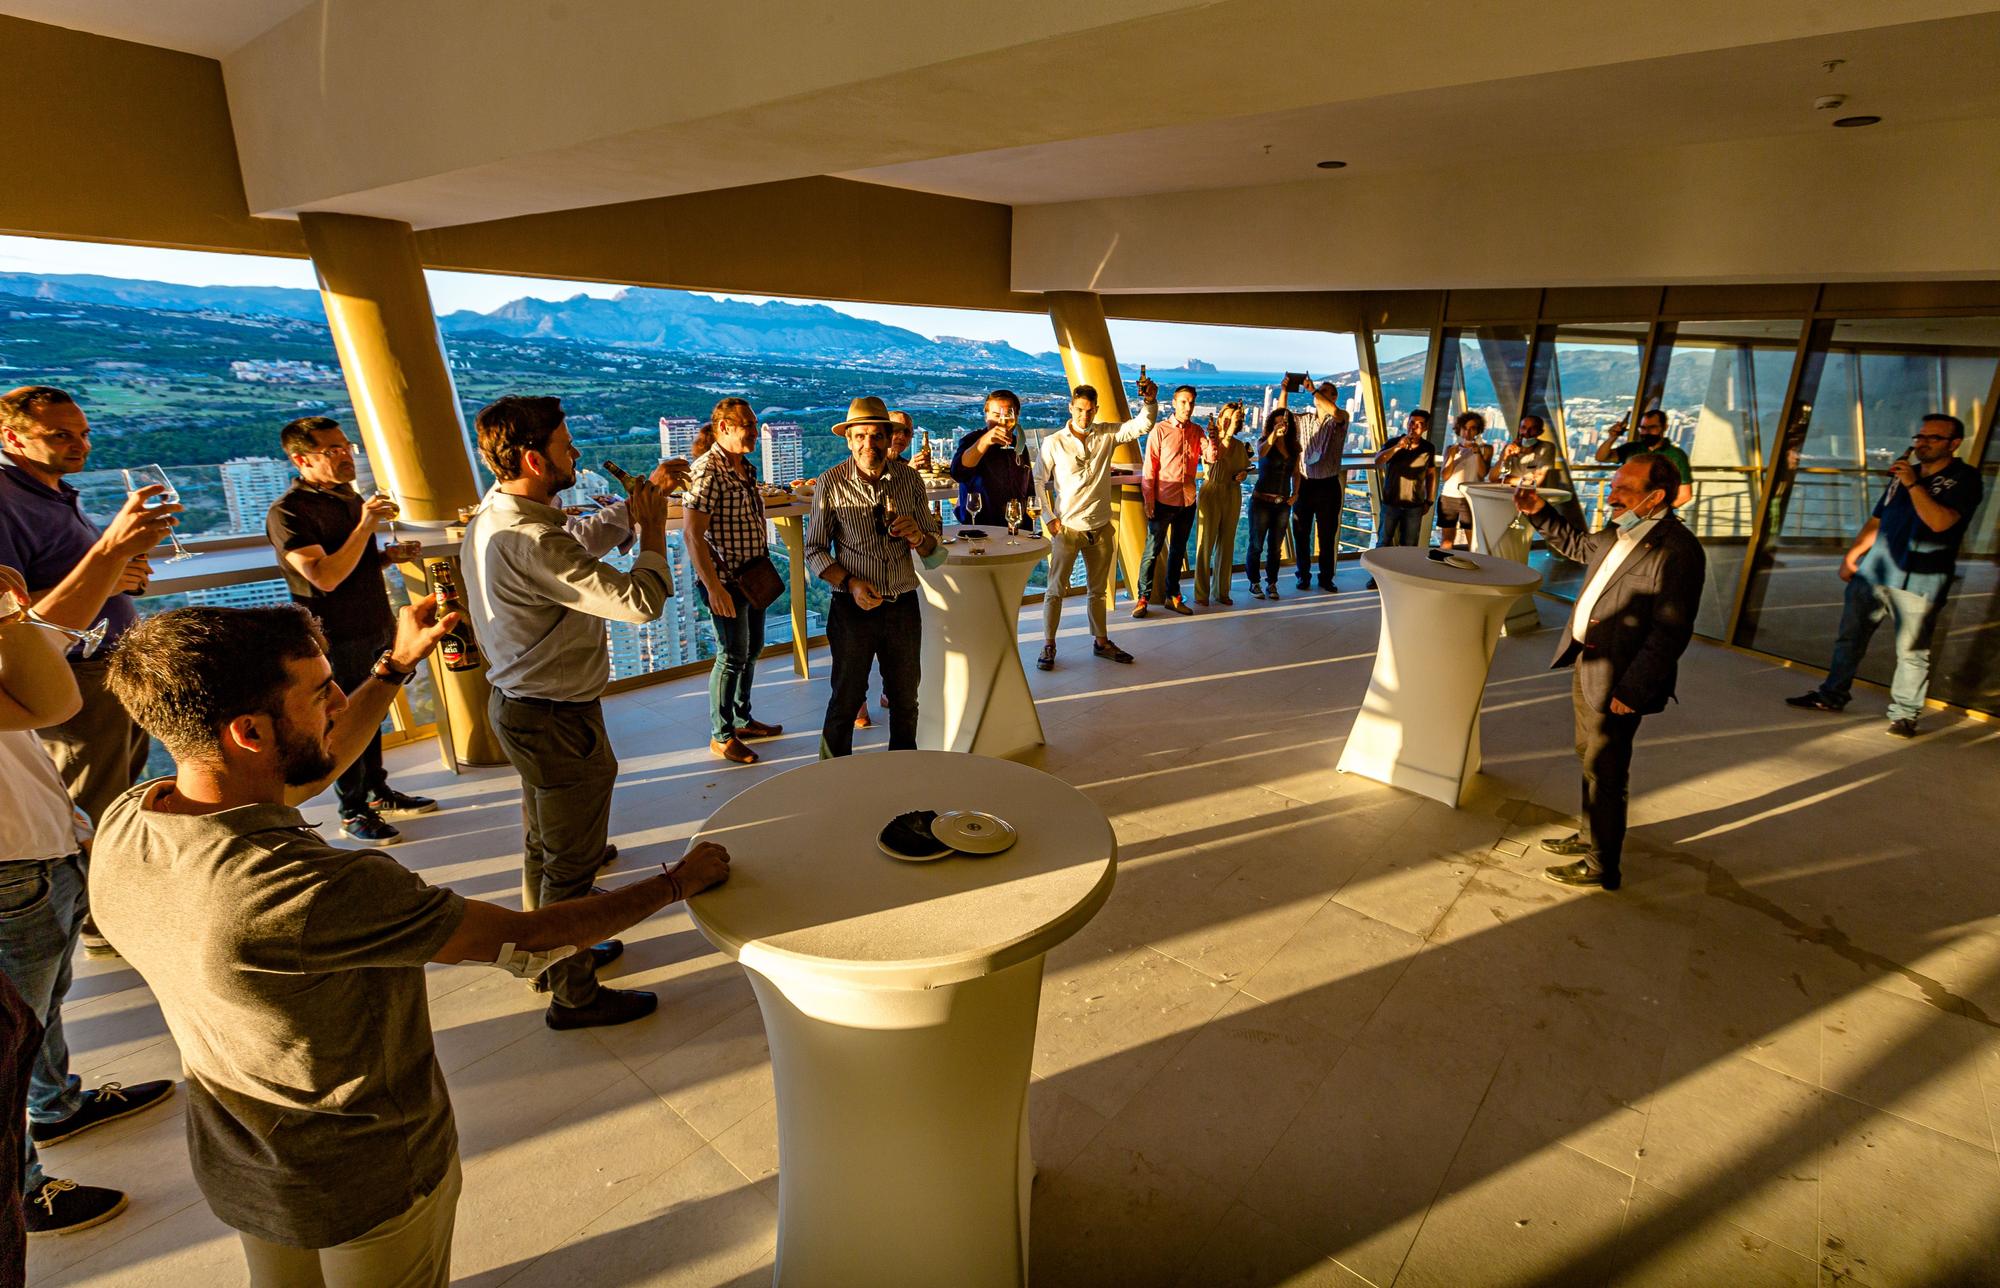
[1076, 470]
[1586, 603]
[39, 822]
[538, 599]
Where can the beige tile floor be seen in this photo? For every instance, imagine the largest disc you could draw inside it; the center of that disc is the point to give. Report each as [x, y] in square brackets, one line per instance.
[1324, 1032]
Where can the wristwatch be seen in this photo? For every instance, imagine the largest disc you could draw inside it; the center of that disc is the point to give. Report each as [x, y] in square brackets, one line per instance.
[385, 670]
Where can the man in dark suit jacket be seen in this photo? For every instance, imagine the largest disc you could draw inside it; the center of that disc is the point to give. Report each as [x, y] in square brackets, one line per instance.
[1623, 643]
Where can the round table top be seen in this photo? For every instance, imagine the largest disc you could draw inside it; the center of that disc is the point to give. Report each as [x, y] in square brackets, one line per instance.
[1413, 564]
[809, 890]
[1507, 490]
[1027, 548]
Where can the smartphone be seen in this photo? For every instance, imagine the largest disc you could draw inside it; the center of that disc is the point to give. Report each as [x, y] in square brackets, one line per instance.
[1294, 381]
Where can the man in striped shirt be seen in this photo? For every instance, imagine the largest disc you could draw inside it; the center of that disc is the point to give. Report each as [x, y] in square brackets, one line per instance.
[869, 513]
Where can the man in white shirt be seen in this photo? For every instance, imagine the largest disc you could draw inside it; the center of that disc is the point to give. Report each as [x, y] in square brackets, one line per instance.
[1076, 485]
[42, 900]
[538, 601]
[1624, 640]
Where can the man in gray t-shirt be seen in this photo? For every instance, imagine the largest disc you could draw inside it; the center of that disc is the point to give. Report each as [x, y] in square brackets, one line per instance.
[290, 972]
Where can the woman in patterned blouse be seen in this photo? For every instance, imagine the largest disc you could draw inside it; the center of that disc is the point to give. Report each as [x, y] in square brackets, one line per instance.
[723, 523]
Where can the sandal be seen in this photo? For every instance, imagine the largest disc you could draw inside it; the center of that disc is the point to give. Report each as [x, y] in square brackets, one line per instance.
[1047, 661]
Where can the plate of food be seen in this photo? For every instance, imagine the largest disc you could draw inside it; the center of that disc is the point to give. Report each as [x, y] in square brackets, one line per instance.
[908, 837]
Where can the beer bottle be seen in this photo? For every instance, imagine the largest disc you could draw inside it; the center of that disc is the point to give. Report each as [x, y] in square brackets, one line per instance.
[458, 648]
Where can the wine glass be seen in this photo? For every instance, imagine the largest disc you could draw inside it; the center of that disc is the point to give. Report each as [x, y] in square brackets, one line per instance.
[13, 610]
[1034, 514]
[972, 500]
[1013, 520]
[140, 476]
[398, 551]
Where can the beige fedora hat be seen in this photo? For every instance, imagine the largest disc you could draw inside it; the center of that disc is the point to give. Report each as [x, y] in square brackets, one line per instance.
[864, 411]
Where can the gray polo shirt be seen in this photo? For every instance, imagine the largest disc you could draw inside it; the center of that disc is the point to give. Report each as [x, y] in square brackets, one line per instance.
[539, 600]
[291, 975]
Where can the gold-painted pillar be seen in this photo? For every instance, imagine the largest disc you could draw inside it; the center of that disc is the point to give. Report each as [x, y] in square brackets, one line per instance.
[379, 310]
[1085, 343]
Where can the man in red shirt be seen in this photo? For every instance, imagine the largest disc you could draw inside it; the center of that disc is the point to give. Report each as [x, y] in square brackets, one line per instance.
[1167, 484]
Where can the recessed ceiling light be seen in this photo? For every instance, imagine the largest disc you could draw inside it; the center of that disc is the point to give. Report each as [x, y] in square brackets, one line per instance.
[1332, 165]
[1856, 122]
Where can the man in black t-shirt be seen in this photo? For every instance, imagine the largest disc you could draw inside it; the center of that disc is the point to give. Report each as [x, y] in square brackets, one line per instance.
[1409, 474]
[324, 533]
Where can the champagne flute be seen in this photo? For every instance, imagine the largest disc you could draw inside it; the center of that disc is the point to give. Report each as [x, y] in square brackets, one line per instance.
[1013, 520]
[140, 476]
[13, 610]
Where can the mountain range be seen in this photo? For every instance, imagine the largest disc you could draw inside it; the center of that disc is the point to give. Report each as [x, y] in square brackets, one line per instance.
[646, 321]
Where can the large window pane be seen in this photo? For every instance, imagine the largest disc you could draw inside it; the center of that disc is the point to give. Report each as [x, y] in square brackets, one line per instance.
[1400, 357]
[1723, 389]
[1861, 399]
[1480, 369]
[1584, 378]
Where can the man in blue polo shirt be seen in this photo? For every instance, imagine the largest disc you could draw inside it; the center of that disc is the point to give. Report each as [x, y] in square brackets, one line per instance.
[1900, 568]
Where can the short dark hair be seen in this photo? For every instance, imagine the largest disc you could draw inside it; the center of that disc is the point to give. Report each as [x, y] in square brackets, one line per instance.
[1189, 390]
[513, 426]
[1004, 395]
[1528, 418]
[297, 436]
[22, 408]
[1419, 413]
[1946, 418]
[186, 673]
[1084, 391]
[1662, 475]
[1653, 411]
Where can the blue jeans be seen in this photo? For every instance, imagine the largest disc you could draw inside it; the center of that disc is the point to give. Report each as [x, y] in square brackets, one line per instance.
[1402, 525]
[1866, 607]
[41, 915]
[1168, 529]
[1267, 538]
[738, 641]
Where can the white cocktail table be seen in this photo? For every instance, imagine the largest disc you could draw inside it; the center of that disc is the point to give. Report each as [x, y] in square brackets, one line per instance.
[900, 1002]
[1496, 532]
[974, 695]
[1418, 727]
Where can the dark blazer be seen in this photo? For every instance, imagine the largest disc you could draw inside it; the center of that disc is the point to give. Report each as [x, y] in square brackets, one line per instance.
[1644, 618]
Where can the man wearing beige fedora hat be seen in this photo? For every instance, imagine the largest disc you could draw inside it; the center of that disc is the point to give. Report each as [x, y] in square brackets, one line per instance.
[868, 514]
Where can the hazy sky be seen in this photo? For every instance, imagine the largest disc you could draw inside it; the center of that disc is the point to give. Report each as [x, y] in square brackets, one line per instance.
[1160, 344]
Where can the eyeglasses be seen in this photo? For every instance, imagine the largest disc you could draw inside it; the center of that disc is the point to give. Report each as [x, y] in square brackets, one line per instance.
[1934, 438]
[337, 449]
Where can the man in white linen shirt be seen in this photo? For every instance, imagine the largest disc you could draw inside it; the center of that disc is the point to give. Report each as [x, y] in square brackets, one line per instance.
[538, 601]
[1076, 481]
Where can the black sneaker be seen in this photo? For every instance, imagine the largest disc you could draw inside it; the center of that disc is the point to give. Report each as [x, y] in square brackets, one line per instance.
[1271, 591]
[610, 1006]
[601, 955]
[368, 826]
[1047, 660]
[1904, 728]
[1256, 591]
[396, 804]
[64, 1207]
[107, 1103]
[1329, 588]
[1816, 701]
[1110, 652]
[610, 857]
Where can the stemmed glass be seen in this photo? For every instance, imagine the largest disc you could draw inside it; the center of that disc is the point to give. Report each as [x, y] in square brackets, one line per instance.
[972, 500]
[140, 476]
[398, 551]
[13, 610]
[1013, 521]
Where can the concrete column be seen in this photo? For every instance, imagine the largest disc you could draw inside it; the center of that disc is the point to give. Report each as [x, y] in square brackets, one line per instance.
[1085, 343]
[379, 310]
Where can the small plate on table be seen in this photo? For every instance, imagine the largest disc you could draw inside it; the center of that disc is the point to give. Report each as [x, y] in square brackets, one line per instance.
[909, 837]
[973, 832]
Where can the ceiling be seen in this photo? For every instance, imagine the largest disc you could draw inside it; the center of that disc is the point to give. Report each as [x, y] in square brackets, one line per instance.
[1763, 90]
[210, 28]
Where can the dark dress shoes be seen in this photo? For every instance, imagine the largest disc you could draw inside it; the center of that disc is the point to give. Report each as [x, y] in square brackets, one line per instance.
[1584, 874]
[1570, 847]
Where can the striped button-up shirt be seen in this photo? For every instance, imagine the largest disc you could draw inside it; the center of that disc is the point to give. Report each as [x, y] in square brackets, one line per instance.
[1322, 440]
[850, 525]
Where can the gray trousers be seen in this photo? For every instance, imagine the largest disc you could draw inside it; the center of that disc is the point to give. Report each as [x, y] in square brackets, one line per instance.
[567, 770]
[1098, 548]
[99, 751]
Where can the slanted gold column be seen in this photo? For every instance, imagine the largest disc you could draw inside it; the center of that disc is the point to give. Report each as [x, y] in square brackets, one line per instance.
[379, 309]
[1085, 344]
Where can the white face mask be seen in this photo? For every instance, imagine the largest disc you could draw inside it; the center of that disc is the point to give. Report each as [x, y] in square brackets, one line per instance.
[1628, 520]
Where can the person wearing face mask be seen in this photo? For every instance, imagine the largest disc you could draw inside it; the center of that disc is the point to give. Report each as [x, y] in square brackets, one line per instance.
[1623, 643]
[1900, 567]
[1652, 439]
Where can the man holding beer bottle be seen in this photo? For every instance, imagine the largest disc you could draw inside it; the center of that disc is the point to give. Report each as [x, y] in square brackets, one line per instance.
[537, 602]
[324, 533]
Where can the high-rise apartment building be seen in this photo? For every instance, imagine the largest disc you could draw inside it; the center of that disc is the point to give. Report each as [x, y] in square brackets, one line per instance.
[677, 435]
[251, 594]
[249, 485]
[783, 451]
